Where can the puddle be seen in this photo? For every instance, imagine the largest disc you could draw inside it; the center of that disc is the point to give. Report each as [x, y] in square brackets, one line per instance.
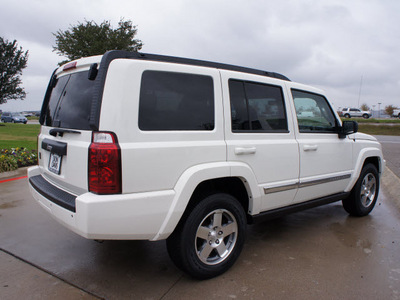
[350, 238]
[9, 204]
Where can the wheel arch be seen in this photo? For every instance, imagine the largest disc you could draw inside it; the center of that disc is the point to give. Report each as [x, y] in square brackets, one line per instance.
[368, 155]
[233, 186]
[203, 180]
[375, 160]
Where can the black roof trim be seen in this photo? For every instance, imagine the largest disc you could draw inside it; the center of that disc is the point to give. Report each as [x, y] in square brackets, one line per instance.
[110, 55]
[115, 54]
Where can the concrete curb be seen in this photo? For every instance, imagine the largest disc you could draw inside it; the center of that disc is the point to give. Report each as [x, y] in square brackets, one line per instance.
[391, 184]
[12, 174]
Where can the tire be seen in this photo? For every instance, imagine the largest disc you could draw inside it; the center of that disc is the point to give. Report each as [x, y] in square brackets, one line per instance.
[365, 116]
[364, 194]
[210, 238]
[347, 116]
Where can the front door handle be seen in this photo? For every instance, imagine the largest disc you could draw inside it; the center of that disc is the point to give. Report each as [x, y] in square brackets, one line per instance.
[245, 150]
[310, 147]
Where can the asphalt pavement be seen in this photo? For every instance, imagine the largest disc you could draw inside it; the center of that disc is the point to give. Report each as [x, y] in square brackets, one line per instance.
[318, 253]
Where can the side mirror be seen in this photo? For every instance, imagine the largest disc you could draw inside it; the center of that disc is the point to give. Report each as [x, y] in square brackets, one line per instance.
[347, 128]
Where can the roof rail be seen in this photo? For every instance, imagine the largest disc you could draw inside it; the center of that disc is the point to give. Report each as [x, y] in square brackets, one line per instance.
[114, 54]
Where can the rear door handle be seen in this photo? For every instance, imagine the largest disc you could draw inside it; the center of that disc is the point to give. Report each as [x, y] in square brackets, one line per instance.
[310, 147]
[245, 150]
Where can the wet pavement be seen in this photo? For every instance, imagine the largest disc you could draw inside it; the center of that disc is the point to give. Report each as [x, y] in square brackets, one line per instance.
[391, 152]
[318, 253]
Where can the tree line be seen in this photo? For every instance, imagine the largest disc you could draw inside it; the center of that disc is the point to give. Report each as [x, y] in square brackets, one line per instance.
[84, 39]
[388, 108]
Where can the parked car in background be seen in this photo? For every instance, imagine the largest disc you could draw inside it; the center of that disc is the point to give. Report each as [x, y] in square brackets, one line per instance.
[396, 113]
[13, 118]
[350, 112]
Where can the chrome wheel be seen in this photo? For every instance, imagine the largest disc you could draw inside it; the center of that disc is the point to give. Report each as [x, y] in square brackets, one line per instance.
[216, 237]
[210, 238]
[368, 190]
[364, 194]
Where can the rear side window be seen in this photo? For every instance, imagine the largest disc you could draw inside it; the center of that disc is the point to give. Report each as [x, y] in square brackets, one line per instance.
[257, 107]
[176, 101]
[70, 102]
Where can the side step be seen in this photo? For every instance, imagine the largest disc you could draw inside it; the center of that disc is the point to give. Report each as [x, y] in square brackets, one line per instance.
[279, 212]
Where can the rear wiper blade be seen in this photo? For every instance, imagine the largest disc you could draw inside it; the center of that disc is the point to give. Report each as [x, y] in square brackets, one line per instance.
[61, 132]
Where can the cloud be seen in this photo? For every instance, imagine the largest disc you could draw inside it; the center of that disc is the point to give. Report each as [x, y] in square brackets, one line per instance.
[330, 44]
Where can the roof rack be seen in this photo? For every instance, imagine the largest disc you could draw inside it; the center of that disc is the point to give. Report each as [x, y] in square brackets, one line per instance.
[114, 54]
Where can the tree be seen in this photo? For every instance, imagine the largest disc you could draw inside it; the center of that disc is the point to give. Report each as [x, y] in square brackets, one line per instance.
[12, 62]
[365, 107]
[389, 109]
[89, 38]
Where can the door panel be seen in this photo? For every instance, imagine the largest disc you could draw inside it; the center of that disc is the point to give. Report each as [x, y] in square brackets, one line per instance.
[325, 160]
[260, 135]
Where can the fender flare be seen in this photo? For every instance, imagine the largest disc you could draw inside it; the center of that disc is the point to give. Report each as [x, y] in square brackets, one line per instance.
[195, 175]
[362, 157]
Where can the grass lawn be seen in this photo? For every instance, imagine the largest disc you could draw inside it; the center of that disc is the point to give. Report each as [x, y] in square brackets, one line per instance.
[372, 120]
[379, 129]
[19, 135]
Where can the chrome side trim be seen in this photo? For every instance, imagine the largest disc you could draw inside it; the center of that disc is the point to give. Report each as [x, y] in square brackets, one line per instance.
[325, 180]
[304, 184]
[281, 188]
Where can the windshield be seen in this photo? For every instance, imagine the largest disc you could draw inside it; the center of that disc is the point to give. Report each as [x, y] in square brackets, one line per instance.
[70, 102]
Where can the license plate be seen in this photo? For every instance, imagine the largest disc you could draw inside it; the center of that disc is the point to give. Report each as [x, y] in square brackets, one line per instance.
[55, 163]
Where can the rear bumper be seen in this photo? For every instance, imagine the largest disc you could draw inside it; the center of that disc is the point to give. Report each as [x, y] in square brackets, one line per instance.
[136, 216]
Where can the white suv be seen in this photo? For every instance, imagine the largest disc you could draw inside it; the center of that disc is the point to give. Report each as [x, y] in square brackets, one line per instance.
[396, 113]
[349, 112]
[139, 146]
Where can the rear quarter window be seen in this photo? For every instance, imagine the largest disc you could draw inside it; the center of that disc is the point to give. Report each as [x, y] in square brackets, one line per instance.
[176, 101]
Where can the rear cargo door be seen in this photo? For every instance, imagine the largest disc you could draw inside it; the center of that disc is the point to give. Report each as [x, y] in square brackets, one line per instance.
[65, 135]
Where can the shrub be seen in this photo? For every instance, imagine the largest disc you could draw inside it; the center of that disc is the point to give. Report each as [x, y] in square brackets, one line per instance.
[11, 159]
[7, 163]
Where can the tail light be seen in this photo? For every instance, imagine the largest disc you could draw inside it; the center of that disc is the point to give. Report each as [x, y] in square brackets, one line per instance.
[104, 170]
[70, 66]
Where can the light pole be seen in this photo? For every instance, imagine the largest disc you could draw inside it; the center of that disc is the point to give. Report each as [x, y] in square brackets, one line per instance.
[379, 108]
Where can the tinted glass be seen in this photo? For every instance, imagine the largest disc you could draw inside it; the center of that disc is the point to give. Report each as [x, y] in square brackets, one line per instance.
[54, 98]
[70, 102]
[313, 113]
[257, 107]
[176, 101]
[239, 115]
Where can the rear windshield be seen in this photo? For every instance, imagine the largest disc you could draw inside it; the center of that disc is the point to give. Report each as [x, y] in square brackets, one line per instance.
[70, 102]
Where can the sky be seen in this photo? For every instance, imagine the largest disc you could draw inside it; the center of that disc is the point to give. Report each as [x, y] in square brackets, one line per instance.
[348, 48]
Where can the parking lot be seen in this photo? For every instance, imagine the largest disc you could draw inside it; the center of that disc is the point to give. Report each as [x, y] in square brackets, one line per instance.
[319, 253]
